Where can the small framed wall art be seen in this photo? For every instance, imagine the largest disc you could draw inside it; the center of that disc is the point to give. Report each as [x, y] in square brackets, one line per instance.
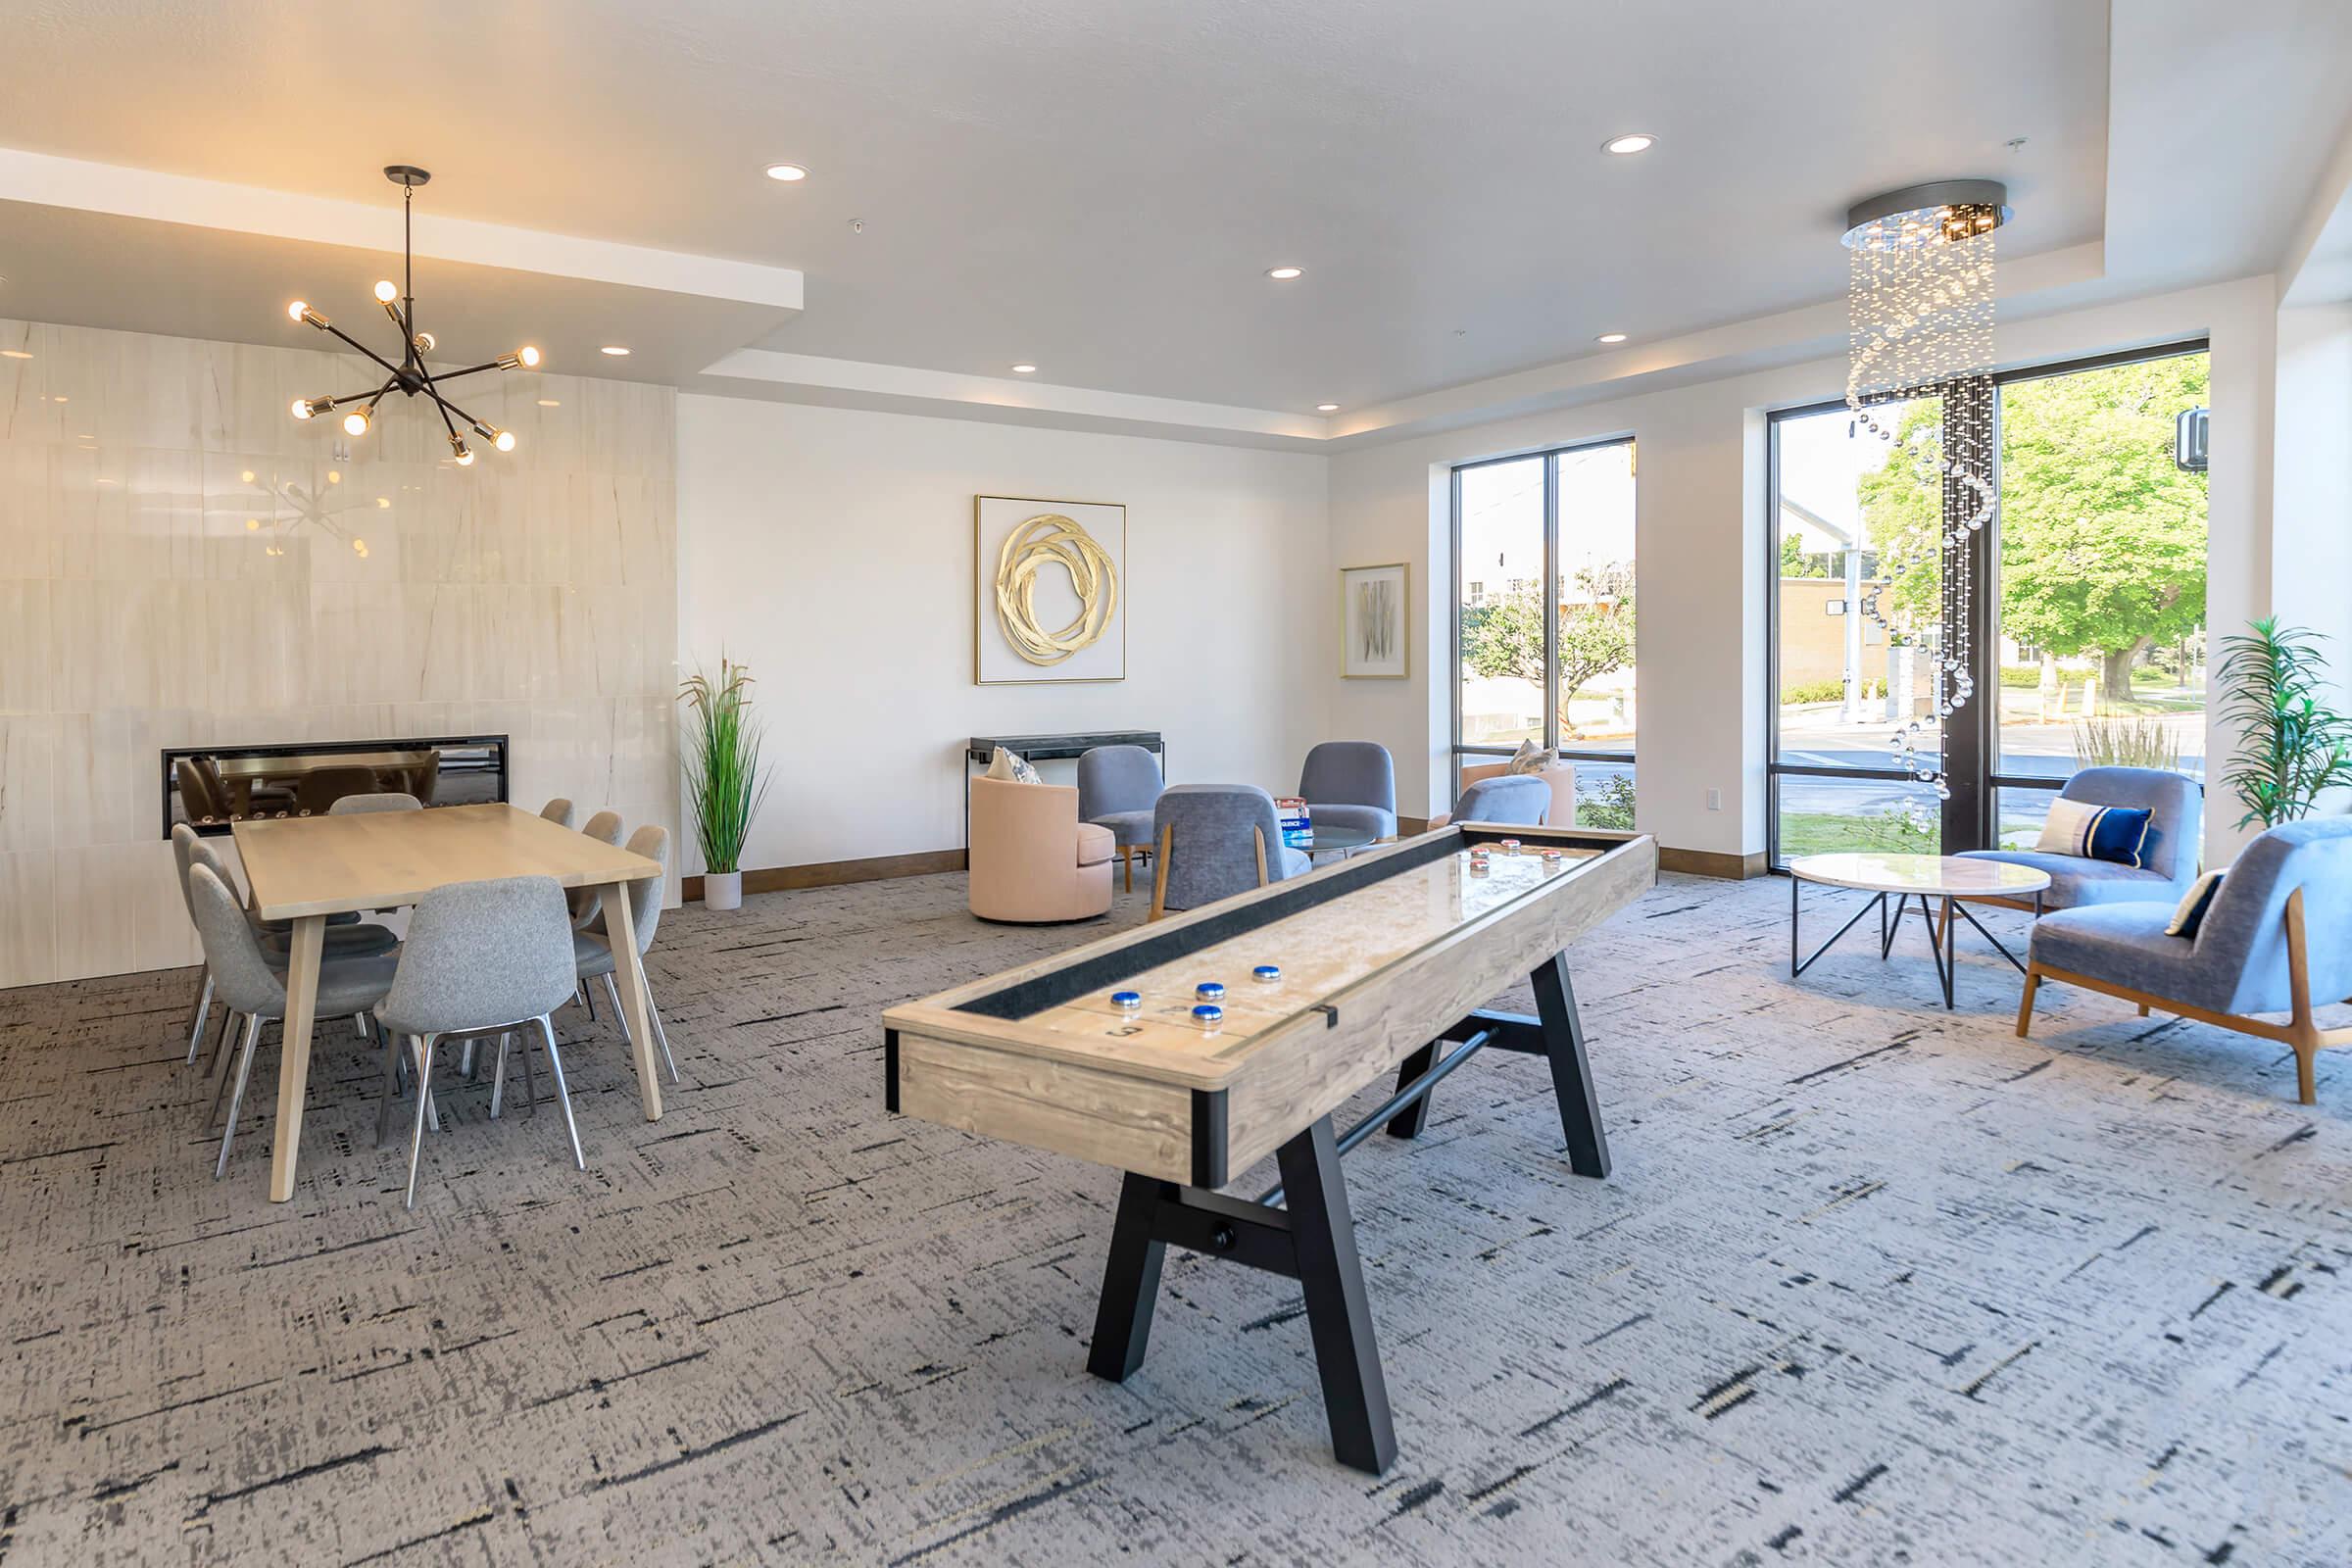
[1374, 622]
[1049, 591]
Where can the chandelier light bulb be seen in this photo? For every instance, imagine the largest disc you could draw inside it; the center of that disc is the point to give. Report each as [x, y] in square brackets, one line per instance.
[386, 290]
[355, 423]
[426, 342]
[302, 409]
[464, 457]
[504, 441]
[529, 356]
[252, 525]
[297, 311]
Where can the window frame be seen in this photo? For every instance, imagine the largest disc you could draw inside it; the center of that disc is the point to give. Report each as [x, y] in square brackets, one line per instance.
[1987, 779]
[1549, 457]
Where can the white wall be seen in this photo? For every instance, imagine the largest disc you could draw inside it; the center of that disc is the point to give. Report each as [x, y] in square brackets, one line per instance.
[831, 550]
[1699, 554]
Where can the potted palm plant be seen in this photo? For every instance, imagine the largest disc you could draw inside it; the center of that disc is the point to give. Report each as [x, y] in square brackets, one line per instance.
[724, 782]
[2294, 746]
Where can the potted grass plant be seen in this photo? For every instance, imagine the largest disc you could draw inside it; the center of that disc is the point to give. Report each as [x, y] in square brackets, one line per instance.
[724, 782]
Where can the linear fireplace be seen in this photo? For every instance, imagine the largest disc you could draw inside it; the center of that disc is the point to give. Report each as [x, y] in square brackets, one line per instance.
[210, 788]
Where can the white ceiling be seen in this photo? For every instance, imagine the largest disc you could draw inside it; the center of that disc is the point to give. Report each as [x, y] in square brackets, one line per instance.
[1097, 187]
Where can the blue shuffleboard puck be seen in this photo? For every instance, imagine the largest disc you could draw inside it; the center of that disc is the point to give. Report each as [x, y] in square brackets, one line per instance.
[1128, 1000]
[1209, 991]
[1268, 972]
[1208, 1013]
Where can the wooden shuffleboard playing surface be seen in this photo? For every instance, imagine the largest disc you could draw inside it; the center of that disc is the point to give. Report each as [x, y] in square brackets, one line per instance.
[1384, 963]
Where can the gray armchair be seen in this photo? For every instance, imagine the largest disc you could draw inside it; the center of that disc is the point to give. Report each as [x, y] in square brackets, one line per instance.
[1519, 799]
[2277, 938]
[1351, 784]
[2168, 856]
[1117, 787]
[1214, 841]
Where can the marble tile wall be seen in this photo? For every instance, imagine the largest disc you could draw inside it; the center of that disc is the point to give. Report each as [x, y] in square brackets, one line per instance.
[183, 563]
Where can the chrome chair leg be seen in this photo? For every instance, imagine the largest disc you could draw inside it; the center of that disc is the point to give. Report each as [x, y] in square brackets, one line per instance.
[555, 1064]
[424, 1101]
[203, 1005]
[661, 1033]
[466, 1059]
[530, 1079]
[588, 1000]
[223, 1054]
[236, 1101]
[394, 1077]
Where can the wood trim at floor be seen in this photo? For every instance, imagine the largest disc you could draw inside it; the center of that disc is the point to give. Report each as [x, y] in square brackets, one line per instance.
[836, 873]
[1711, 863]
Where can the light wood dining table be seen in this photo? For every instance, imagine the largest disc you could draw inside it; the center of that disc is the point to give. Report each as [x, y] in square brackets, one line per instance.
[305, 870]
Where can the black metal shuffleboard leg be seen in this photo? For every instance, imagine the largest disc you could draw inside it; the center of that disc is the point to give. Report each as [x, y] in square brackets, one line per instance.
[1409, 1122]
[1355, 1396]
[1130, 1284]
[1571, 1073]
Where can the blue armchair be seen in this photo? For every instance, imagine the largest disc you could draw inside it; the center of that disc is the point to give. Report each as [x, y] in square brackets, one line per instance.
[1351, 784]
[1117, 787]
[1214, 841]
[2168, 856]
[1519, 799]
[2277, 939]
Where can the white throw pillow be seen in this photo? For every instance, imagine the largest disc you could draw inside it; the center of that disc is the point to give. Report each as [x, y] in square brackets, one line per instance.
[1530, 758]
[1006, 765]
[2195, 905]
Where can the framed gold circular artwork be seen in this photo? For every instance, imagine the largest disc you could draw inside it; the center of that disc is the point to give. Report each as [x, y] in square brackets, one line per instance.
[1048, 590]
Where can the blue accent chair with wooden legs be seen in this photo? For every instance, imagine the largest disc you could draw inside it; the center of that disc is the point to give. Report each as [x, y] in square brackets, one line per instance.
[2168, 856]
[2277, 938]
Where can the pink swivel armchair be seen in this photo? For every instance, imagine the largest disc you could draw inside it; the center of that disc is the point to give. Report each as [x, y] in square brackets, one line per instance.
[1032, 860]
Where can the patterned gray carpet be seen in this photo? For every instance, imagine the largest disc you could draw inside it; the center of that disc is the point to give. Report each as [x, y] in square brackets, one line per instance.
[1871, 1284]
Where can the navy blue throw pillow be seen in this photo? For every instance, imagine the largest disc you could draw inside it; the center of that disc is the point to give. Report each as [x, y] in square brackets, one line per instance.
[2114, 833]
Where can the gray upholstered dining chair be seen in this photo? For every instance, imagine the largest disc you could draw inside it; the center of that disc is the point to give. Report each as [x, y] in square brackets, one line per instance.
[248, 986]
[1118, 785]
[2275, 938]
[592, 944]
[346, 938]
[2168, 855]
[558, 811]
[1214, 841]
[374, 801]
[604, 828]
[1351, 784]
[1519, 799]
[482, 959]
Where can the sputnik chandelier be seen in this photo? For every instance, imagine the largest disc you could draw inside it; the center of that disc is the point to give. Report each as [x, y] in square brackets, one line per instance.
[1919, 324]
[409, 377]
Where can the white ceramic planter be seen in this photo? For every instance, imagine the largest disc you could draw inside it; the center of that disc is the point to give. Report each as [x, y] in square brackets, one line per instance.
[722, 890]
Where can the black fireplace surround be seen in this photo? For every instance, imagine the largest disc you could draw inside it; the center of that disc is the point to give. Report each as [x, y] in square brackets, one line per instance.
[210, 788]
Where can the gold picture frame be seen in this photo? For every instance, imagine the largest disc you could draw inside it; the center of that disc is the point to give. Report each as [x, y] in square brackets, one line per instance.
[1368, 651]
[1088, 538]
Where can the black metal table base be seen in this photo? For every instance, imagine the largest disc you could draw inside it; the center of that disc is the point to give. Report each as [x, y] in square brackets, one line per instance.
[1943, 949]
[1302, 1230]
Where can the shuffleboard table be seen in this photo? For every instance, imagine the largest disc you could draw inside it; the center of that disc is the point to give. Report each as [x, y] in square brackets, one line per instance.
[1382, 965]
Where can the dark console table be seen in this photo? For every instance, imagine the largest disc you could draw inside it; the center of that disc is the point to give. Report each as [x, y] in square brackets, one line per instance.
[1050, 749]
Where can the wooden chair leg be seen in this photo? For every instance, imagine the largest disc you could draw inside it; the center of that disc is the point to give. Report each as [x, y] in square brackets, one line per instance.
[1127, 859]
[2025, 1003]
[2143, 1009]
[1159, 873]
[2306, 1087]
[2303, 1032]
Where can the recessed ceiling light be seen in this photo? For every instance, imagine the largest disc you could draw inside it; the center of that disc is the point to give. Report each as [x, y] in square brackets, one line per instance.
[1610, 337]
[14, 354]
[1283, 274]
[551, 403]
[787, 172]
[1327, 407]
[617, 351]
[1632, 141]
[1024, 370]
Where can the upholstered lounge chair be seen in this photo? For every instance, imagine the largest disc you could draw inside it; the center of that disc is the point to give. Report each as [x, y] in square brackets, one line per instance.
[1118, 785]
[1033, 862]
[2168, 856]
[1523, 799]
[1214, 841]
[2277, 938]
[1560, 777]
[1351, 784]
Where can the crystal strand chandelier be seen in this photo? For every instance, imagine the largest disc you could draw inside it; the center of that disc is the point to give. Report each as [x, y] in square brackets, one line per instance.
[409, 378]
[1919, 324]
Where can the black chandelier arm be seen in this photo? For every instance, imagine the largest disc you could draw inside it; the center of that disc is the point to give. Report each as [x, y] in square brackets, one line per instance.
[470, 370]
[389, 367]
[329, 405]
[442, 409]
[448, 407]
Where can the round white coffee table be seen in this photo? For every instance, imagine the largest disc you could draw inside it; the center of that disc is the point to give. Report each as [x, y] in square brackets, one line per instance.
[1947, 877]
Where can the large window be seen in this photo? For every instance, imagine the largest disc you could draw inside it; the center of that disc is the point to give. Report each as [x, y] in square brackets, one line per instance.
[1543, 628]
[2091, 642]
